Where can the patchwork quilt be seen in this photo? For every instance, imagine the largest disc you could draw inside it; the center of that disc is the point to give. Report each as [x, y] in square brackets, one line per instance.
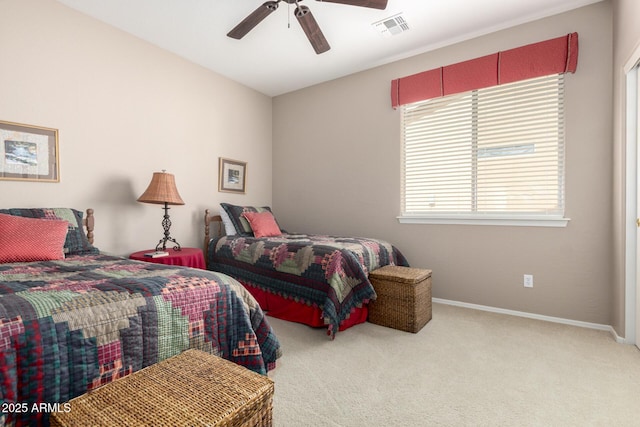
[324, 271]
[69, 326]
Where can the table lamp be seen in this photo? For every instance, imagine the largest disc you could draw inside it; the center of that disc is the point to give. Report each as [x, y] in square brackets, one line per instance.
[162, 191]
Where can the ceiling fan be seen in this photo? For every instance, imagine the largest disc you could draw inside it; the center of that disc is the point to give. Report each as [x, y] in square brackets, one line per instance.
[304, 17]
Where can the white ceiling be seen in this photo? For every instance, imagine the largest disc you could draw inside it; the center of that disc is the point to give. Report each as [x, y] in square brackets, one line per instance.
[275, 58]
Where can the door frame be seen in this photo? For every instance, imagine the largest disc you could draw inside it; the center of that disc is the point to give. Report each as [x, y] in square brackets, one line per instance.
[632, 106]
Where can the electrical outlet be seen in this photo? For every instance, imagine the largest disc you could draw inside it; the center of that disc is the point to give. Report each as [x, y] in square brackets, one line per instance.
[528, 280]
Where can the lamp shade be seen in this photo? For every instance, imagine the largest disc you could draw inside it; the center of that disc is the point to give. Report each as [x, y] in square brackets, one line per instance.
[162, 189]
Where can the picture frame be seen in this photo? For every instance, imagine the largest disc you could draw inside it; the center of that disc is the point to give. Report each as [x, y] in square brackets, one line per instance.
[232, 176]
[28, 153]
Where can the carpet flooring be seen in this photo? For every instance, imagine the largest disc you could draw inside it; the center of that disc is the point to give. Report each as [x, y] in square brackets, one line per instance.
[464, 368]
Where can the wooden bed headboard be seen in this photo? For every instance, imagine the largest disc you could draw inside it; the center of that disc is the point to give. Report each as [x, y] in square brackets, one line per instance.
[89, 222]
[217, 224]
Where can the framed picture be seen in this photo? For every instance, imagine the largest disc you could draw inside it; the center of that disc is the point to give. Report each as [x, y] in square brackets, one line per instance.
[232, 176]
[28, 153]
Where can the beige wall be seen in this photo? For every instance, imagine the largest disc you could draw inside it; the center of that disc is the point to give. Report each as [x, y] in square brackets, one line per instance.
[125, 109]
[336, 169]
[626, 36]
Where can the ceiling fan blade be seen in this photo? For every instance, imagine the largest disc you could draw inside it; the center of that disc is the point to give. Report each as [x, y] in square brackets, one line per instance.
[374, 4]
[312, 30]
[248, 23]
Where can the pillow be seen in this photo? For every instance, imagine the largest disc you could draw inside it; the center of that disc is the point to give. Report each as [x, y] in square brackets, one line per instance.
[240, 223]
[27, 239]
[229, 229]
[76, 241]
[263, 224]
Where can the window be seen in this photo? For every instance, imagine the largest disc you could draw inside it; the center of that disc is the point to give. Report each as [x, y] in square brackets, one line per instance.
[488, 155]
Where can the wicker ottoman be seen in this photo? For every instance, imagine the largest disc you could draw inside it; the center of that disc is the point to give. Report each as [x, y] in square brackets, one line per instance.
[404, 297]
[191, 389]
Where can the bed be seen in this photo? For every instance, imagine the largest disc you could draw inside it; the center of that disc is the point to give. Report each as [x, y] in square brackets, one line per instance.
[321, 281]
[74, 321]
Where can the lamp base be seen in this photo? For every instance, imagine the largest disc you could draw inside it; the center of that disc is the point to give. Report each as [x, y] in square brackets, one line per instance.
[162, 244]
[166, 225]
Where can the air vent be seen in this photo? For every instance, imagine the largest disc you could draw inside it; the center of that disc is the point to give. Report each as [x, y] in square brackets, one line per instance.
[391, 26]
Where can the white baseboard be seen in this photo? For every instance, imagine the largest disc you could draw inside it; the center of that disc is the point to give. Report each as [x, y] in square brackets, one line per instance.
[578, 323]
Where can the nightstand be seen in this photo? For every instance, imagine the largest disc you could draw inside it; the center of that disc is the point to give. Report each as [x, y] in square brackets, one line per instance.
[187, 257]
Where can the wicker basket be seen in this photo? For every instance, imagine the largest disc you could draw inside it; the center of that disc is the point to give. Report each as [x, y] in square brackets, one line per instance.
[404, 297]
[191, 389]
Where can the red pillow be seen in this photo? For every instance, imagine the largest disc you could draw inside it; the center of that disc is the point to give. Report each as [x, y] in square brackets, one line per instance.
[263, 224]
[31, 239]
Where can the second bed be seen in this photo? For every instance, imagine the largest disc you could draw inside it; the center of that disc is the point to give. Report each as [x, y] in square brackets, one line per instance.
[318, 280]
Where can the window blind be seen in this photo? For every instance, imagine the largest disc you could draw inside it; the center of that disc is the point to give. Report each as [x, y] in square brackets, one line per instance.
[496, 151]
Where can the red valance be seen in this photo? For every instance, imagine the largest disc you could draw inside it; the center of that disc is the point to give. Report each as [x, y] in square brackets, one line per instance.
[559, 55]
